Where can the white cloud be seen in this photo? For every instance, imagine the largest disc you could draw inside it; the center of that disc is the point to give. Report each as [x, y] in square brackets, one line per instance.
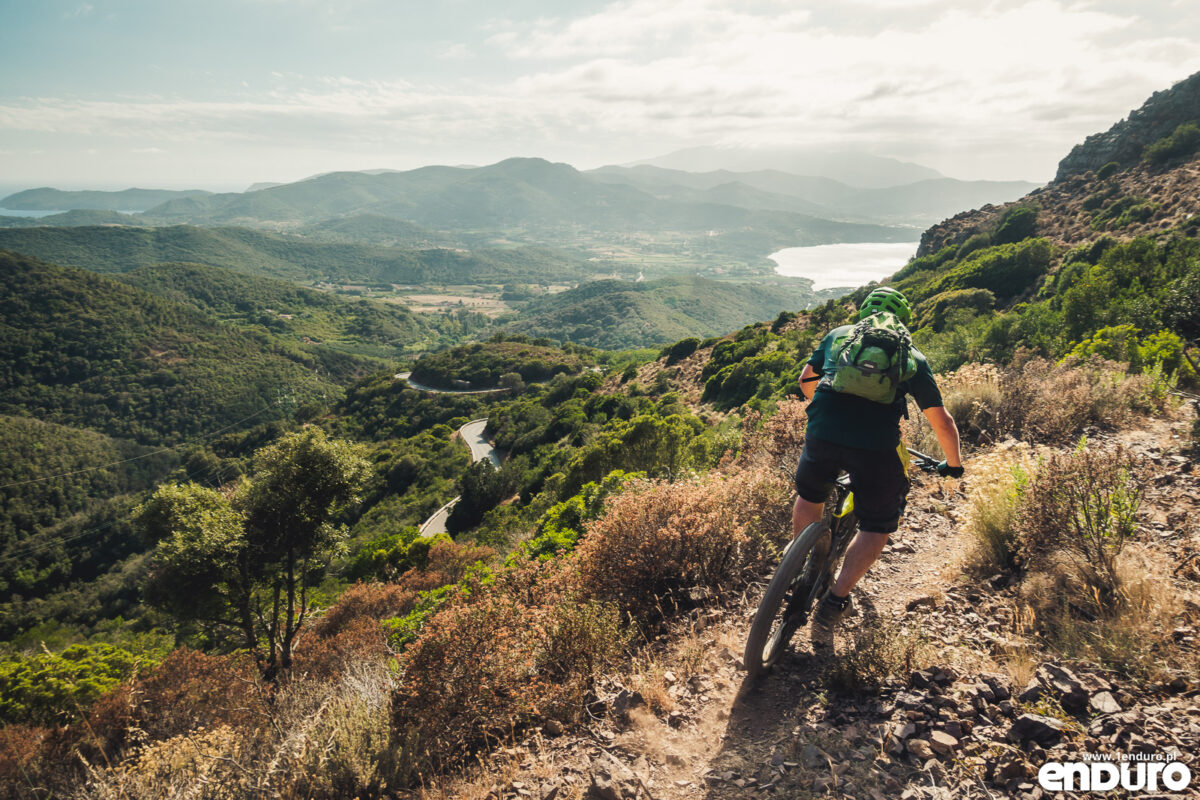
[1026, 76]
[456, 51]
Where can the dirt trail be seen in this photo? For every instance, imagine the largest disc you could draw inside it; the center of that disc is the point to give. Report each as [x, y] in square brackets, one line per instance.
[697, 731]
[743, 736]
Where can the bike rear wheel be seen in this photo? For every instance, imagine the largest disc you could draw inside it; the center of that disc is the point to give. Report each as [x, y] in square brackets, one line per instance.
[799, 570]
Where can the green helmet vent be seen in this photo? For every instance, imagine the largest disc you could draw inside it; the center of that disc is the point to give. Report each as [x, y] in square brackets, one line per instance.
[885, 298]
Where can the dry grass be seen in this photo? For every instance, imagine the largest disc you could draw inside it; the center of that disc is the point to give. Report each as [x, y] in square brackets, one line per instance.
[1040, 401]
[1131, 636]
[880, 650]
[318, 739]
[1020, 666]
[972, 395]
[684, 657]
[997, 482]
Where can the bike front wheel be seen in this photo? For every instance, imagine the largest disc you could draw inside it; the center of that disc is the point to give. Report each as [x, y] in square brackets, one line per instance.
[776, 620]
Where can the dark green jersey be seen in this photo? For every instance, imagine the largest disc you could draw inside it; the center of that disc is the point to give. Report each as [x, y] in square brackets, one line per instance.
[854, 421]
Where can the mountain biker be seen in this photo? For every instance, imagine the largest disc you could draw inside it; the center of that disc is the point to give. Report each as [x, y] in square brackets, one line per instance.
[861, 436]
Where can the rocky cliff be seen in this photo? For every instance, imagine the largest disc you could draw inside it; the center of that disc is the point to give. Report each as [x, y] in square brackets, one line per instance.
[1124, 142]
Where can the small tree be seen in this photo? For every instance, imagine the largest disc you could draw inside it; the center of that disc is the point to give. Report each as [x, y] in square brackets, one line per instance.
[513, 382]
[247, 559]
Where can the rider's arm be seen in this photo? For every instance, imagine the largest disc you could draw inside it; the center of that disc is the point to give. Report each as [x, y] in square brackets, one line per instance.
[946, 432]
[808, 381]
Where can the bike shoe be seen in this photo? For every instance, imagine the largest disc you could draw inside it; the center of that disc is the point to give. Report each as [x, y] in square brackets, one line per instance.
[830, 611]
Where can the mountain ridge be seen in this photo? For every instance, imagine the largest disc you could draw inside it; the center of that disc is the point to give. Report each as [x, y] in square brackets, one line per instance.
[49, 199]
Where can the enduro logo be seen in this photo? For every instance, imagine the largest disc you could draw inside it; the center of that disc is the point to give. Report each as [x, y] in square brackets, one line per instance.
[1133, 773]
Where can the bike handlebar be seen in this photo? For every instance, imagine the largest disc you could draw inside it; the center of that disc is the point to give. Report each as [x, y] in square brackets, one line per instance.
[926, 463]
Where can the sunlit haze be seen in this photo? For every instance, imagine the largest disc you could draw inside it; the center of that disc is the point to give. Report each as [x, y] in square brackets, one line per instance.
[225, 93]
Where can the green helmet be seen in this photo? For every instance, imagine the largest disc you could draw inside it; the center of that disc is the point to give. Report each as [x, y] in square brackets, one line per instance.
[885, 298]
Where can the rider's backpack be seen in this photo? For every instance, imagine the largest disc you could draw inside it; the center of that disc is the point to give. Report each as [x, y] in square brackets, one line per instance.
[871, 359]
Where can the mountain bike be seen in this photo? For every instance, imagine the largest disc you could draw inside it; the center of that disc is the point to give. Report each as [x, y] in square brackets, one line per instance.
[806, 571]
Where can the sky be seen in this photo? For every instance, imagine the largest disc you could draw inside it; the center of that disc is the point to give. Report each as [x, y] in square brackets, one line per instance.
[221, 94]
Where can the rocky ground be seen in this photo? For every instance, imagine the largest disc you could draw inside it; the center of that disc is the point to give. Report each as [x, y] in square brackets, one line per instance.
[981, 709]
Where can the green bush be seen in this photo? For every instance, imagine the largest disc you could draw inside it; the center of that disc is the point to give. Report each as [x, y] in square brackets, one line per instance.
[680, 350]
[1108, 170]
[389, 556]
[1007, 270]
[1016, 225]
[52, 688]
[977, 242]
[938, 308]
[1124, 212]
[561, 526]
[1183, 141]
[1083, 505]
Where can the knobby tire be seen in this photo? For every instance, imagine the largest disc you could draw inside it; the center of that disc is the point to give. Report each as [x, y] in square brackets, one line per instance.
[769, 633]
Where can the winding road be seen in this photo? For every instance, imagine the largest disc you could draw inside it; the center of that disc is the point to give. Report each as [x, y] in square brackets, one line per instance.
[473, 434]
[407, 378]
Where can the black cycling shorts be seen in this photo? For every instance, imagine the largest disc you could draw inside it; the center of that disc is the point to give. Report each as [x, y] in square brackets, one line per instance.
[876, 477]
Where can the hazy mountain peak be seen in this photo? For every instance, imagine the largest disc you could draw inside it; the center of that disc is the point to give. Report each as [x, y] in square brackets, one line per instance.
[858, 169]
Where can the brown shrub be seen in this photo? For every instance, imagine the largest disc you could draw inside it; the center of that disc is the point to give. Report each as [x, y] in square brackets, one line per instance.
[374, 601]
[37, 761]
[521, 649]
[359, 640]
[449, 561]
[1082, 506]
[1044, 401]
[191, 690]
[657, 540]
[776, 441]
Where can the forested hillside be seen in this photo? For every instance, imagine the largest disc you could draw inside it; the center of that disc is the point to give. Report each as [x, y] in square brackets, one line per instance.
[620, 314]
[122, 249]
[383, 329]
[84, 350]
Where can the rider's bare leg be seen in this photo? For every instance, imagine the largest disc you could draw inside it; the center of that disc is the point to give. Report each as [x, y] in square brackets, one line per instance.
[804, 514]
[864, 549]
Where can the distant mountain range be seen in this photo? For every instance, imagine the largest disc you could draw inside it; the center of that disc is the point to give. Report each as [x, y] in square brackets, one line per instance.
[47, 199]
[858, 169]
[806, 198]
[526, 193]
[918, 203]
